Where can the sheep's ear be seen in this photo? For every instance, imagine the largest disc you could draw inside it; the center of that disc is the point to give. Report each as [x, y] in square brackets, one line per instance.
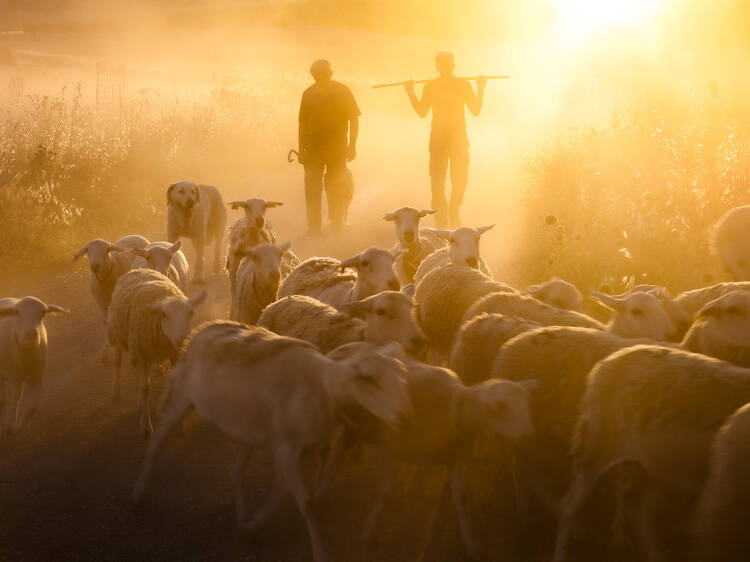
[138, 252]
[530, 384]
[611, 302]
[352, 262]
[483, 229]
[9, 311]
[197, 299]
[408, 290]
[80, 253]
[197, 192]
[440, 233]
[424, 212]
[536, 291]
[54, 309]
[175, 247]
[115, 248]
[169, 193]
[237, 204]
[357, 309]
[272, 204]
[285, 247]
[399, 252]
[714, 309]
[390, 217]
[393, 349]
[156, 306]
[246, 252]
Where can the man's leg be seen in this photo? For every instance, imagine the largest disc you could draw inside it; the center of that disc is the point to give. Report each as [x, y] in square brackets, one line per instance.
[313, 191]
[336, 189]
[459, 180]
[438, 172]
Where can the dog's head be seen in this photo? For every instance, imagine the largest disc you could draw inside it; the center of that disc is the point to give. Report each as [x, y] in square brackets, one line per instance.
[183, 194]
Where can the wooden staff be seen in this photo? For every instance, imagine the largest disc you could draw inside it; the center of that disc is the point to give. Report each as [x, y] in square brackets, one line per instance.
[501, 77]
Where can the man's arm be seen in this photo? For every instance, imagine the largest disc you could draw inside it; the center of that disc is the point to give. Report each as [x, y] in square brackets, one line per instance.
[353, 134]
[474, 102]
[420, 106]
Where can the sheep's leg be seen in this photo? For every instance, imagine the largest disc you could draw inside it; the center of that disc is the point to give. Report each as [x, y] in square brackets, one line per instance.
[289, 461]
[144, 409]
[341, 444]
[118, 366]
[471, 544]
[105, 353]
[576, 497]
[238, 477]
[179, 406]
[271, 503]
[13, 391]
[646, 523]
[387, 472]
[32, 390]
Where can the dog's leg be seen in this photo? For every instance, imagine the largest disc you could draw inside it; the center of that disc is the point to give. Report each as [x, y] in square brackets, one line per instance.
[199, 244]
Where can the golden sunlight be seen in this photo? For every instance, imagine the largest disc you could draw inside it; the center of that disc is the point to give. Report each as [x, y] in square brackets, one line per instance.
[579, 19]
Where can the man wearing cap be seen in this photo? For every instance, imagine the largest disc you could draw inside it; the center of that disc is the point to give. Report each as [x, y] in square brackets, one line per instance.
[328, 128]
[449, 145]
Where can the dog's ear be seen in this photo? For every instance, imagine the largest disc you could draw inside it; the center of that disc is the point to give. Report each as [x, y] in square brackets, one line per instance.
[169, 193]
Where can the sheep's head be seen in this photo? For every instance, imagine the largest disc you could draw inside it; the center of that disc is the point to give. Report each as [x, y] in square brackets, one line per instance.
[374, 271]
[255, 210]
[389, 316]
[158, 255]
[98, 251]
[728, 319]
[29, 313]
[184, 194]
[407, 220]
[503, 406]
[175, 315]
[557, 293]
[266, 260]
[463, 244]
[375, 381]
[639, 315]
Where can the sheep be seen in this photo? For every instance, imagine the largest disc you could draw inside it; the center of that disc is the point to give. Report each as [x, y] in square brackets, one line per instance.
[258, 278]
[23, 357]
[327, 280]
[558, 293]
[731, 242]
[443, 297]
[248, 231]
[692, 301]
[641, 314]
[653, 411]
[722, 329]
[197, 212]
[413, 244]
[445, 419]
[107, 263]
[463, 249]
[149, 317]
[478, 341]
[721, 527]
[380, 318]
[167, 259]
[269, 391]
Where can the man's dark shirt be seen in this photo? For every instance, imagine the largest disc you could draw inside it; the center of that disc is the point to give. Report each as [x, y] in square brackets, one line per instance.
[324, 114]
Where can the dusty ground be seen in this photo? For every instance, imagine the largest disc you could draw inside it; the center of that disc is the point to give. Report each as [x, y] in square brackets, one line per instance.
[66, 479]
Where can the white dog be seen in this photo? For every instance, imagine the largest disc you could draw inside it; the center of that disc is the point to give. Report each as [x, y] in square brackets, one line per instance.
[197, 212]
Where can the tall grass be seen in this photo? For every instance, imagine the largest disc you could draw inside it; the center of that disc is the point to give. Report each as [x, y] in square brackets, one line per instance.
[67, 176]
[635, 202]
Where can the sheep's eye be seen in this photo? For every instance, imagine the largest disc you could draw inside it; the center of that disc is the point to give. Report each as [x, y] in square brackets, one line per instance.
[636, 312]
[452, 240]
[369, 379]
[365, 263]
[734, 309]
[501, 406]
[380, 312]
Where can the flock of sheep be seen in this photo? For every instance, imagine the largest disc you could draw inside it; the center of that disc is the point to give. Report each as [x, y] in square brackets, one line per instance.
[418, 351]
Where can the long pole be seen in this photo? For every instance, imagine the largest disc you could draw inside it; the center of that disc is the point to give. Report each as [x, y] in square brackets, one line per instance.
[499, 77]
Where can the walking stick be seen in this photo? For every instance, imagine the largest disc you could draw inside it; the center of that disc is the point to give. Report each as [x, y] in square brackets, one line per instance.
[499, 77]
[290, 156]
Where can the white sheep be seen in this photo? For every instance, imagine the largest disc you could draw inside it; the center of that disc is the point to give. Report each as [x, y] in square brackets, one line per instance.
[721, 523]
[166, 258]
[149, 318]
[462, 249]
[558, 293]
[692, 301]
[197, 212]
[443, 297]
[441, 429]
[731, 242]
[656, 409]
[478, 342]
[23, 357]
[722, 329]
[258, 277]
[107, 263]
[277, 393]
[643, 314]
[413, 245]
[328, 280]
[379, 319]
[249, 231]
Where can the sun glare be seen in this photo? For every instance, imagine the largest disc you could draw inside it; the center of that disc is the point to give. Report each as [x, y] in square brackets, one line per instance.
[579, 19]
